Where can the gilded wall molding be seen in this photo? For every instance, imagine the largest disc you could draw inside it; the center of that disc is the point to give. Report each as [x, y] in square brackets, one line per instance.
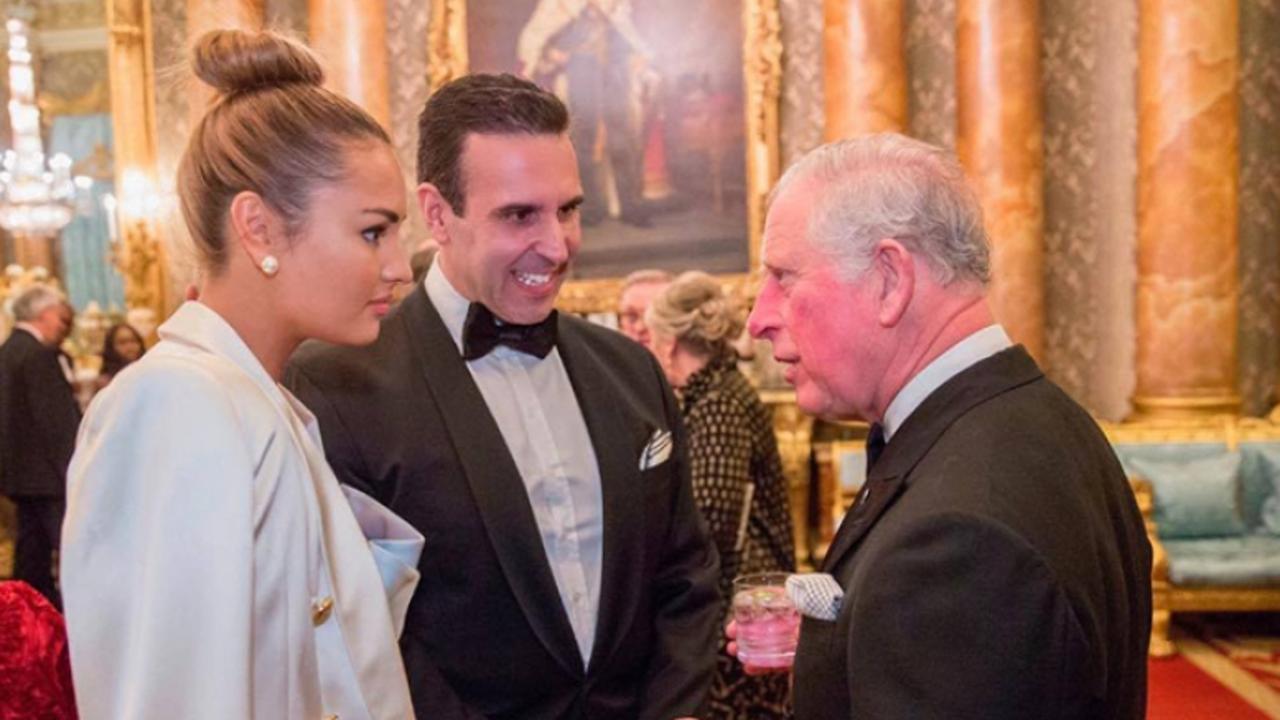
[140, 255]
[446, 42]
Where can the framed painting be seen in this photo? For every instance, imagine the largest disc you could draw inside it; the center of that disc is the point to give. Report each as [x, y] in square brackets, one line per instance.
[674, 116]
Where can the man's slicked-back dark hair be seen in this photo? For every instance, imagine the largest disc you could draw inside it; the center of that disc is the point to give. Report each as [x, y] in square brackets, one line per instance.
[486, 104]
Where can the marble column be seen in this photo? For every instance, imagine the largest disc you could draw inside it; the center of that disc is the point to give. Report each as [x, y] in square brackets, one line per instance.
[1188, 157]
[864, 67]
[1000, 138]
[351, 36]
[206, 15]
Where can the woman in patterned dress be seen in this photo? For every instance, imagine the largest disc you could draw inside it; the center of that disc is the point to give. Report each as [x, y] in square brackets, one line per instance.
[737, 473]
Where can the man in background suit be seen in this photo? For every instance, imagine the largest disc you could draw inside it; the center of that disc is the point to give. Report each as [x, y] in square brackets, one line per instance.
[566, 572]
[995, 564]
[38, 421]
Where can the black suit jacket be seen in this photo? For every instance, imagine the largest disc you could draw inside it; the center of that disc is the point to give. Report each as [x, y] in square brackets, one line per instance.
[486, 633]
[39, 417]
[998, 567]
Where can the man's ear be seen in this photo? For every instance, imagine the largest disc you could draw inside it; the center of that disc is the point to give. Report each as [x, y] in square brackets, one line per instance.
[255, 226]
[435, 211]
[895, 268]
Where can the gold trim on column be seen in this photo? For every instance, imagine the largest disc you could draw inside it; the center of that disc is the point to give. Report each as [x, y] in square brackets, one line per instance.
[1179, 408]
[139, 255]
[762, 75]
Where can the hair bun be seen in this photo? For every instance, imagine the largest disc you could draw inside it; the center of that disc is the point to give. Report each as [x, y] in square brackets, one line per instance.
[233, 61]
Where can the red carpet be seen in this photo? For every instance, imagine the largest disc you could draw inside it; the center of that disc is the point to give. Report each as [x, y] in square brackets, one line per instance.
[1228, 668]
[1181, 691]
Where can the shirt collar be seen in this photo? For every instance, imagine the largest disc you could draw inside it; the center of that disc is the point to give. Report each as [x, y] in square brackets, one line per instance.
[450, 303]
[32, 330]
[959, 357]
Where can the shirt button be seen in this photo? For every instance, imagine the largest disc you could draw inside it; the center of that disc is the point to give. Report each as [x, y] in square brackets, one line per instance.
[321, 609]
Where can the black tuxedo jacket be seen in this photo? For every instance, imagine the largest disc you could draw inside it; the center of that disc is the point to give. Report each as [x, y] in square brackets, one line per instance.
[997, 569]
[39, 417]
[486, 633]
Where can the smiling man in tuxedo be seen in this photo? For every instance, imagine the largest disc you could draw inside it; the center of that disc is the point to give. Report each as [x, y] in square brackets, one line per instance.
[567, 573]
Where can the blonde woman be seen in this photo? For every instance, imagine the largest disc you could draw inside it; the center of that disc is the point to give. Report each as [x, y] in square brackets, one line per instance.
[212, 565]
[737, 474]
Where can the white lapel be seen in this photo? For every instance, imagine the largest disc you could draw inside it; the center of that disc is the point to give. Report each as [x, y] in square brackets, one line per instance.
[361, 604]
[360, 601]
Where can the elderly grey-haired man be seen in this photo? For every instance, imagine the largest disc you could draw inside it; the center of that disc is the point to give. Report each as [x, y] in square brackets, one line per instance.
[38, 421]
[995, 564]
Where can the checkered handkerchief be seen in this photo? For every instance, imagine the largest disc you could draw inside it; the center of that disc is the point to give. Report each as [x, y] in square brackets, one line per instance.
[816, 595]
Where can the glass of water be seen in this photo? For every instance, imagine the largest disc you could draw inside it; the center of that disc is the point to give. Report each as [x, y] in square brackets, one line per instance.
[768, 623]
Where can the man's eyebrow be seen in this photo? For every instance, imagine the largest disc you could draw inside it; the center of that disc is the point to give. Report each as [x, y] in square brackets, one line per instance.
[391, 215]
[573, 203]
[513, 209]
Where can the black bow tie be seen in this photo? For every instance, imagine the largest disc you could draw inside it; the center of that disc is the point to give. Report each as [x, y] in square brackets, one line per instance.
[875, 444]
[482, 332]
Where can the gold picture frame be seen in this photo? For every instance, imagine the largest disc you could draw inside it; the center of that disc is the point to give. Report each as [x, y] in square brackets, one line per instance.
[448, 58]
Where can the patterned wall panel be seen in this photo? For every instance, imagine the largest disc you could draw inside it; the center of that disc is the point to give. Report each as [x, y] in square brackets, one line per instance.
[74, 83]
[1259, 203]
[71, 14]
[802, 116]
[407, 59]
[173, 125]
[1088, 52]
[931, 61]
[287, 16]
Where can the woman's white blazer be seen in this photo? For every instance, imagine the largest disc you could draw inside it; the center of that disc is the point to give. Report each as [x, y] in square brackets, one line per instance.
[212, 566]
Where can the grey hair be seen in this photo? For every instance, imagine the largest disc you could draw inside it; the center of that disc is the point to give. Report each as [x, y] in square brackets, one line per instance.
[647, 276]
[33, 301]
[891, 186]
[696, 312]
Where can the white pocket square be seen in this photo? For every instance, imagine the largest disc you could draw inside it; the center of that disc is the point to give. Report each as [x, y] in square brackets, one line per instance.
[816, 595]
[657, 451]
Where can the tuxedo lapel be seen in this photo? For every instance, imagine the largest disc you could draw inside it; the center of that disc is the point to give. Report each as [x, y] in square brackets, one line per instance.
[878, 492]
[499, 492]
[890, 476]
[621, 559]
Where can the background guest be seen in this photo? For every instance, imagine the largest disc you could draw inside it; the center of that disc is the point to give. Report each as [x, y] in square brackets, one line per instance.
[121, 346]
[638, 291]
[737, 474]
[38, 420]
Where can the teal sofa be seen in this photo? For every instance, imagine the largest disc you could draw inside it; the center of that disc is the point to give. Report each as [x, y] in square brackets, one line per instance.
[1210, 491]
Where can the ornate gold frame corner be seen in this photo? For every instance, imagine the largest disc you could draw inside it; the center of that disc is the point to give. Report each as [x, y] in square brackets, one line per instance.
[762, 75]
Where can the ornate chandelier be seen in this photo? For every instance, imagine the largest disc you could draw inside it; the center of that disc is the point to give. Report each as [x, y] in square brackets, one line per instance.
[35, 199]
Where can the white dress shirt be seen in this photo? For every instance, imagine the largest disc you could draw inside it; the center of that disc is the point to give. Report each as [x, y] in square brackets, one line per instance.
[537, 411]
[960, 357]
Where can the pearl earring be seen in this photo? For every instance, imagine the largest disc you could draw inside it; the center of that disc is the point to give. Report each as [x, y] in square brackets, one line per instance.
[270, 266]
